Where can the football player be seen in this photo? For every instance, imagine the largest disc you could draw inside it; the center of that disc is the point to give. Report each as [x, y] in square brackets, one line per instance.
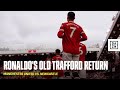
[83, 51]
[71, 34]
[59, 58]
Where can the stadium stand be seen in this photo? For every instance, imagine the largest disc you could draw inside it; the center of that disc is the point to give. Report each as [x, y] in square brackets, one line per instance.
[113, 34]
[112, 56]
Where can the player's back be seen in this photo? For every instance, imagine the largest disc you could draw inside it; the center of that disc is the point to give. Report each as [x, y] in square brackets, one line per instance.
[57, 57]
[71, 37]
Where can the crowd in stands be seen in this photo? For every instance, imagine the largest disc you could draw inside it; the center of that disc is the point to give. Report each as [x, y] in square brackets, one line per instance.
[113, 71]
[97, 75]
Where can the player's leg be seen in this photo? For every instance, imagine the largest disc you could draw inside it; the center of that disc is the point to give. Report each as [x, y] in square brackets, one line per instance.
[76, 57]
[67, 57]
[82, 73]
[75, 74]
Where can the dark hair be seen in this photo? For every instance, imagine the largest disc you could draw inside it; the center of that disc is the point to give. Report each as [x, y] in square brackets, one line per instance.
[57, 51]
[71, 15]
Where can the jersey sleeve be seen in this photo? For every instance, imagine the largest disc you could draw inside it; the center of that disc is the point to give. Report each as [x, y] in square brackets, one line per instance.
[83, 35]
[60, 33]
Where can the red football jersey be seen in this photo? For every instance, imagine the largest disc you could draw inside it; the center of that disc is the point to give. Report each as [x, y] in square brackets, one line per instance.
[83, 51]
[71, 34]
[59, 58]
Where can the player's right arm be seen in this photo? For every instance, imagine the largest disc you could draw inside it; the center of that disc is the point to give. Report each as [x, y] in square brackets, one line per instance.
[60, 33]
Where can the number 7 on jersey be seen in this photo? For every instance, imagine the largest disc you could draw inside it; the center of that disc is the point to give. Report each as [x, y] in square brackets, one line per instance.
[73, 30]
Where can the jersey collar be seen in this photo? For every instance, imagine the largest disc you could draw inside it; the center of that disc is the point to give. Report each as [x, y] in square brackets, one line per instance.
[71, 21]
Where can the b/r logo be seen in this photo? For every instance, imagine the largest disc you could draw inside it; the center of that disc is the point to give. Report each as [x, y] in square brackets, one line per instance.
[113, 44]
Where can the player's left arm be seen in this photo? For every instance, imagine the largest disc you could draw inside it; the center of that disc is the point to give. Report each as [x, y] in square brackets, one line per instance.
[83, 36]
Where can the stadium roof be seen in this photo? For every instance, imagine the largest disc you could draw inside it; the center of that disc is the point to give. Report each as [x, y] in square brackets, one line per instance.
[113, 34]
